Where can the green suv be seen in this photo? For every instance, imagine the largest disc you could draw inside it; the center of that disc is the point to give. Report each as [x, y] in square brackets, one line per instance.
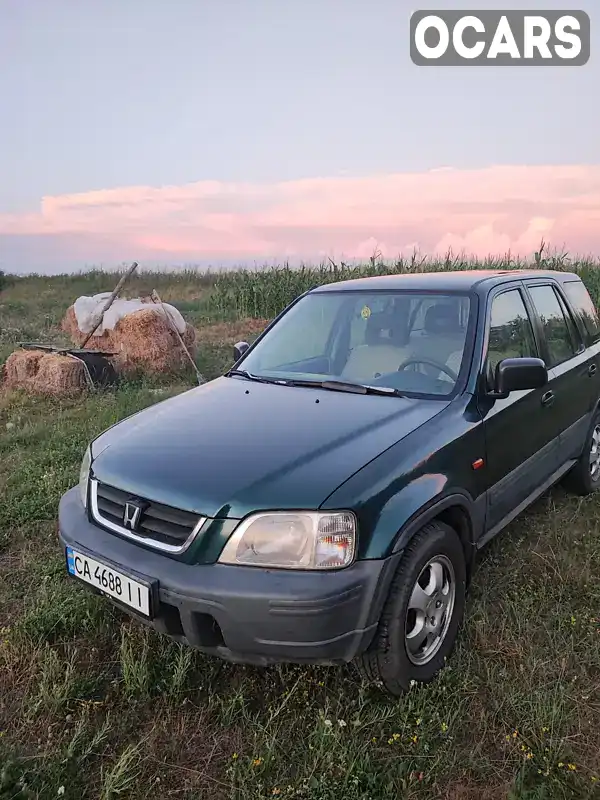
[324, 500]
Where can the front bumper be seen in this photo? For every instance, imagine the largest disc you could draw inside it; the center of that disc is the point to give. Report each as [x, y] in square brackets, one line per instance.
[245, 614]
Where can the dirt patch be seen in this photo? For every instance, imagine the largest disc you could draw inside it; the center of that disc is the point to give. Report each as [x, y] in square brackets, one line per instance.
[232, 332]
[461, 791]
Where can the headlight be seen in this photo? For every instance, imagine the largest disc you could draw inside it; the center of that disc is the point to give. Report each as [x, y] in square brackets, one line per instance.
[84, 476]
[297, 540]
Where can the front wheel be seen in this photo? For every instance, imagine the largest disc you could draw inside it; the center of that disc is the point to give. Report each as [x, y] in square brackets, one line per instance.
[422, 614]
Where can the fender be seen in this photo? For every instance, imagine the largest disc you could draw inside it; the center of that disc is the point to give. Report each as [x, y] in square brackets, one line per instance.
[455, 507]
[403, 512]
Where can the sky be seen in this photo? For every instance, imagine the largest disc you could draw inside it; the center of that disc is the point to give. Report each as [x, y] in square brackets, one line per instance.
[220, 132]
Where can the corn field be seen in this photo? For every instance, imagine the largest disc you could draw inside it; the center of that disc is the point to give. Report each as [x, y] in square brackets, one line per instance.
[206, 296]
[263, 293]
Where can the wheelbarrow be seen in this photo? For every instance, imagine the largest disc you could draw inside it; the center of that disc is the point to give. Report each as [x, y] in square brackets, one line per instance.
[98, 369]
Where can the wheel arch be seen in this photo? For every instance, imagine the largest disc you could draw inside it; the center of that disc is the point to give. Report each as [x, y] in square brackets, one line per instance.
[458, 511]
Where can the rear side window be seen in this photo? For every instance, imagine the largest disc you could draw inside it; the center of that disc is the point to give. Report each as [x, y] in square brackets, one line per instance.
[583, 306]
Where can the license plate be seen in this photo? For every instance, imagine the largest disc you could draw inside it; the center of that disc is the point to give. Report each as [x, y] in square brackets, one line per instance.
[110, 581]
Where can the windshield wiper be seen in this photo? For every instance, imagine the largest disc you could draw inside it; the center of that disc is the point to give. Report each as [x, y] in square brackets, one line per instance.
[342, 386]
[249, 376]
[334, 386]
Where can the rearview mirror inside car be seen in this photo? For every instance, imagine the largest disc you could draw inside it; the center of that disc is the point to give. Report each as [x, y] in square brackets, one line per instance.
[517, 374]
[239, 349]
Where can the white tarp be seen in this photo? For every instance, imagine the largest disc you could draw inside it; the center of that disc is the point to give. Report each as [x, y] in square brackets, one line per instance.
[87, 310]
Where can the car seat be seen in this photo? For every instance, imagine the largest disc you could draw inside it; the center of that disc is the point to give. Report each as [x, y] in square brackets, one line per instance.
[443, 340]
[383, 351]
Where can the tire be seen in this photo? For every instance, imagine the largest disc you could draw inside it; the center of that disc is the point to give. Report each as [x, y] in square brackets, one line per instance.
[581, 480]
[389, 661]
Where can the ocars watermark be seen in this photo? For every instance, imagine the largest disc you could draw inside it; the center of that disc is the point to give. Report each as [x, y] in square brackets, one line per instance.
[499, 38]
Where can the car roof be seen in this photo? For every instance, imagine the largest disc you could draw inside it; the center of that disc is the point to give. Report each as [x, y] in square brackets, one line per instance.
[450, 280]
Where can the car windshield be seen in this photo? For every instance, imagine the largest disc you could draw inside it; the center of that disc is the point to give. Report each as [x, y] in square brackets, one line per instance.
[412, 343]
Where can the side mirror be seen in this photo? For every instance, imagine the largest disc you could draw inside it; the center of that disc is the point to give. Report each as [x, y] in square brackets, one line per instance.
[517, 374]
[239, 349]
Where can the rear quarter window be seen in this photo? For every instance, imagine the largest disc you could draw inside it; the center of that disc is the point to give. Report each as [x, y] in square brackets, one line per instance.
[583, 306]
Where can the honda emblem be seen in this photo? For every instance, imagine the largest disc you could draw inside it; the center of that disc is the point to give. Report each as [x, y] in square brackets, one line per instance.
[131, 515]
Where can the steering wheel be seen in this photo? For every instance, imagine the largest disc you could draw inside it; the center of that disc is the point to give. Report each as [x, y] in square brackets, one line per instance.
[435, 364]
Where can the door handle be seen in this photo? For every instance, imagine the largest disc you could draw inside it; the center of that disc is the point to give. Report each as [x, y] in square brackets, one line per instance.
[592, 370]
[547, 398]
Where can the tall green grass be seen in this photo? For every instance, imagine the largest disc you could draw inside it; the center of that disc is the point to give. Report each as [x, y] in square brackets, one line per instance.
[204, 296]
[263, 293]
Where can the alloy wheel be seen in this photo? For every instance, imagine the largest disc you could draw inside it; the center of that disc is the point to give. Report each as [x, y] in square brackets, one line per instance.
[595, 453]
[431, 605]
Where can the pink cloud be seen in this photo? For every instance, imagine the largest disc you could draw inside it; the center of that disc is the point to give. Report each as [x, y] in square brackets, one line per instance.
[481, 211]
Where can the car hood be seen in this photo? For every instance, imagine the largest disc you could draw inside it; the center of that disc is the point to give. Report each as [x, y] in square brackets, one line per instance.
[232, 446]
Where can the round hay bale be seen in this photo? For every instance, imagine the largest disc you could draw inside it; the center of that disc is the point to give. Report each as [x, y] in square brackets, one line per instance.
[98, 342]
[59, 375]
[21, 366]
[146, 340]
[142, 340]
[69, 325]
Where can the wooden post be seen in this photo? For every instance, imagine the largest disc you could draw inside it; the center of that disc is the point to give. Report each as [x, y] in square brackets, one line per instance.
[157, 301]
[109, 302]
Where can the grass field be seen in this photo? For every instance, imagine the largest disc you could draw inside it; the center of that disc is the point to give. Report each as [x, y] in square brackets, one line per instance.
[94, 706]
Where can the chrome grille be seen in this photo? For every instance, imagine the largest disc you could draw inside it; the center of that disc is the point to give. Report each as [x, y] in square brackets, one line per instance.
[159, 526]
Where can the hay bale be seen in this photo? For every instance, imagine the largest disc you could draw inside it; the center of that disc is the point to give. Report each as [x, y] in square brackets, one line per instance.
[146, 340]
[40, 372]
[21, 366]
[69, 326]
[59, 375]
[141, 340]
